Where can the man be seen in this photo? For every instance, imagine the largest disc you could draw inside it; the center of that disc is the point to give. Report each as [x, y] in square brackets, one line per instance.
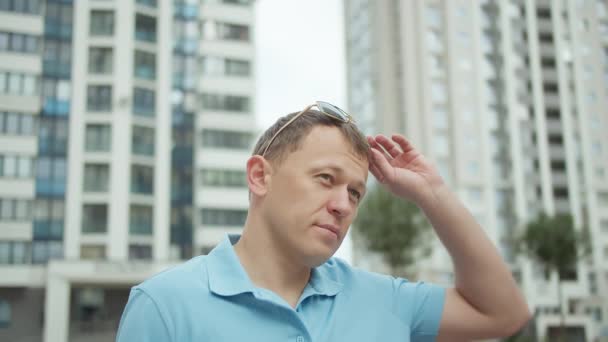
[278, 282]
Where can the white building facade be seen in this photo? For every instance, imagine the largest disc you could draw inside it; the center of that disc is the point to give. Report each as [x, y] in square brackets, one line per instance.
[508, 98]
[124, 132]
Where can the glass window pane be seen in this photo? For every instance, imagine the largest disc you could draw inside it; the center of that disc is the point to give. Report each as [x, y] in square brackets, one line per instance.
[100, 60]
[142, 179]
[96, 177]
[4, 37]
[7, 212]
[12, 123]
[102, 23]
[145, 65]
[98, 138]
[19, 253]
[30, 86]
[145, 28]
[143, 140]
[144, 102]
[25, 167]
[27, 124]
[5, 258]
[15, 83]
[94, 218]
[10, 166]
[99, 98]
[140, 220]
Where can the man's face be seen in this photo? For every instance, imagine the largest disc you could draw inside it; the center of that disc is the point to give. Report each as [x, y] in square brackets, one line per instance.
[314, 195]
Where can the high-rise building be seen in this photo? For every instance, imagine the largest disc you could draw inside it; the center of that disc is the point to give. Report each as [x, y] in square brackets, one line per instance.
[125, 127]
[509, 99]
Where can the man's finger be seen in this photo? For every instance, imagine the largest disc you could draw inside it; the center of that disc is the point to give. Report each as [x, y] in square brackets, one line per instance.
[406, 146]
[381, 162]
[390, 147]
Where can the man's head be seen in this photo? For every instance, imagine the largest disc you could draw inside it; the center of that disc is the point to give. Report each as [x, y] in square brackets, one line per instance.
[307, 187]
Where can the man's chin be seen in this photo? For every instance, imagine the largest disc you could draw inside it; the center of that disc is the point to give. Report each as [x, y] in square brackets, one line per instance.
[319, 259]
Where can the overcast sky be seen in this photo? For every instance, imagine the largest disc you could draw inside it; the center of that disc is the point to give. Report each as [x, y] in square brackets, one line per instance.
[299, 56]
[299, 59]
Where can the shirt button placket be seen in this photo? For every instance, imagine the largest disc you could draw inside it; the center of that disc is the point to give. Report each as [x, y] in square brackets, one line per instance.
[300, 339]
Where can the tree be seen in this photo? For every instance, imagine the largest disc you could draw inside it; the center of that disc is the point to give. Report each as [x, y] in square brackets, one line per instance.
[393, 227]
[557, 246]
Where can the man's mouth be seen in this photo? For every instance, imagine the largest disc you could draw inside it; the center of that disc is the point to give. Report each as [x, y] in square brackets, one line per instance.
[332, 228]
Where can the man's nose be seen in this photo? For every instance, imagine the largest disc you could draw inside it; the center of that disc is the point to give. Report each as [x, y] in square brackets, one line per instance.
[339, 204]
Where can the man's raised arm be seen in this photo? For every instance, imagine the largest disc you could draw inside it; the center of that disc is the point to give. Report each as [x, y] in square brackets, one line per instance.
[485, 302]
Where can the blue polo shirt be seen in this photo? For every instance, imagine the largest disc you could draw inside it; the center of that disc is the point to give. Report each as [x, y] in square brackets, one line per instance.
[211, 298]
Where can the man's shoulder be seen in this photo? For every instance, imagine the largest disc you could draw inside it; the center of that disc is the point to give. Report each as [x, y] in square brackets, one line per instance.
[189, 276]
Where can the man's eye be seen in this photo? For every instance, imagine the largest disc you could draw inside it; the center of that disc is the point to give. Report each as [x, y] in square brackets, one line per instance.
[326, 176]
[355, 194]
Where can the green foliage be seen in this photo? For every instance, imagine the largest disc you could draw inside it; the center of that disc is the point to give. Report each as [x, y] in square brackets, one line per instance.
[393, 227]
[557, 245]
[554, 243]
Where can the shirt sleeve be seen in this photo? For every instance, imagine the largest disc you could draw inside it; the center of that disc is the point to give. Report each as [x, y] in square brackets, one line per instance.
[421, 305]
[142, 320]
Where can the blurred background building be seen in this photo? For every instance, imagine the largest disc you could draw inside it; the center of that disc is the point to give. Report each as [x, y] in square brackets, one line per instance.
[124, 128]
[509, 98]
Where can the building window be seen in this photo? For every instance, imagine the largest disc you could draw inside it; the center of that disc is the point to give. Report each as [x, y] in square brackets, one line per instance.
[21, 6]
[226, 139]
[150, 3]
[5, 253]
[14, 253]
[12, 83]
[94, 218]
[98, 138]
[142, 180]
[145, 28]
[99, 98]
[225, 31]
[100, 60]
[228, 178]
[229, 103]
[143, 141]
[5, 314]
[145, 65]
[93, 252]
[236, 67]
[43, 251]
[16, 167]
[18, 42]
[140, 220]
[144, 102]
[96, 177]
[102, 23]
[48, 219]
[218, 66]
[140, 252]
[15, 209]
[223, 217]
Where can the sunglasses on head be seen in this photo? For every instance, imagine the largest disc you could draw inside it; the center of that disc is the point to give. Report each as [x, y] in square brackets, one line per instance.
[325, 108]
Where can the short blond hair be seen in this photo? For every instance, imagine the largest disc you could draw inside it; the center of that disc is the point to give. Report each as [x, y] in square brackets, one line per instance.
[290, 139]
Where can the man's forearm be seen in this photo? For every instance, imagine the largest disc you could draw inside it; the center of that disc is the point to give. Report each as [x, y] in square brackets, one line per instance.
[481, 276]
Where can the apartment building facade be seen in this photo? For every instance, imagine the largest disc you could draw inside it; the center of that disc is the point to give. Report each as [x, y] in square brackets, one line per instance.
[124, 131]
[508, 98]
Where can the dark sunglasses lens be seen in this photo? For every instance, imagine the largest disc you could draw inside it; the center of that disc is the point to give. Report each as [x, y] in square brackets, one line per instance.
[333, 110]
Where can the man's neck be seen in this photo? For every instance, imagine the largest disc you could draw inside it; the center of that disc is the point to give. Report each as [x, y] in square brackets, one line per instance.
[269, 267]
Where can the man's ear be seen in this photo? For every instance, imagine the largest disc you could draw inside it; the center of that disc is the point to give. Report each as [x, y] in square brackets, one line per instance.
[259, 172]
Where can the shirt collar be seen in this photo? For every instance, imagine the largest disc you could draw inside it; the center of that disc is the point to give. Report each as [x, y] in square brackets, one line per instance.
[227, 277]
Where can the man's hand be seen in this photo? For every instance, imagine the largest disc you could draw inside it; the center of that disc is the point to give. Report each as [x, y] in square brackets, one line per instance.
[406, 173]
